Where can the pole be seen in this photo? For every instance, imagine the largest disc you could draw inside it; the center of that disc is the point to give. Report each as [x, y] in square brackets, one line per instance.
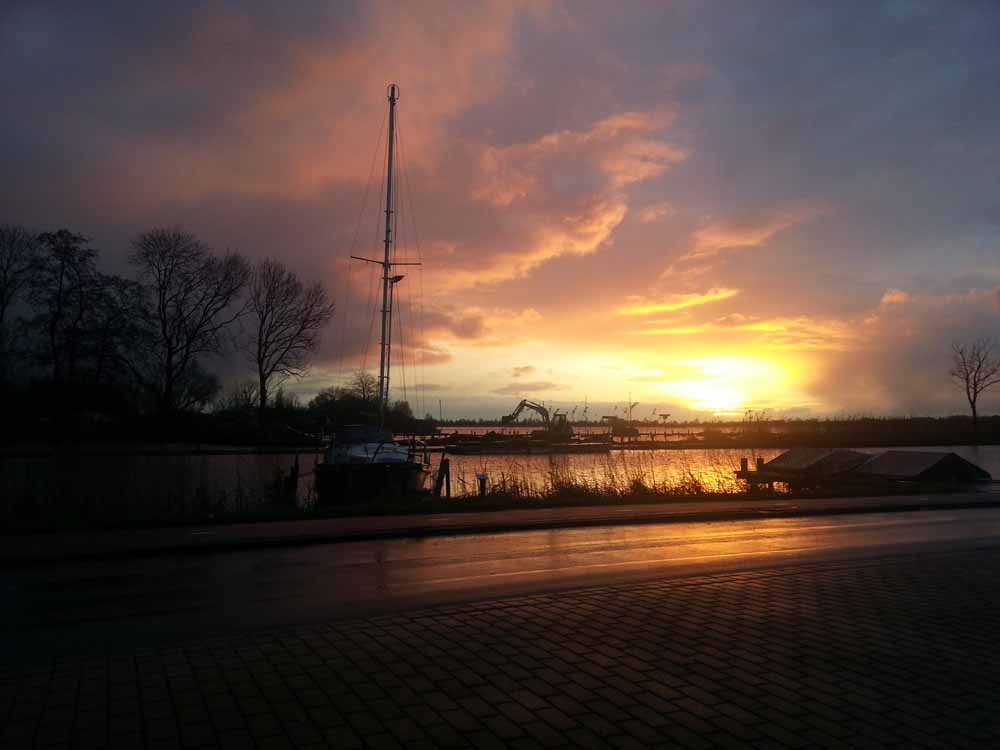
[388, 344]
[383, 375]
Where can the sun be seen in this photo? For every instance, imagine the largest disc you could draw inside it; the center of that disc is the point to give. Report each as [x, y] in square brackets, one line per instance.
[726, 385]
[709, 395]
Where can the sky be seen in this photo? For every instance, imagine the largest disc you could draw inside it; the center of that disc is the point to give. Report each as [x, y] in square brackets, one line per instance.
[702, 207]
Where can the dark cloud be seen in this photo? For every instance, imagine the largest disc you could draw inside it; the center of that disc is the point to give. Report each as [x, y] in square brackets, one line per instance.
[527, 388]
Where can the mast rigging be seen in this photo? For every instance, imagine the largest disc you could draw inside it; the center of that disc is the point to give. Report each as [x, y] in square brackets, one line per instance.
[388, 281]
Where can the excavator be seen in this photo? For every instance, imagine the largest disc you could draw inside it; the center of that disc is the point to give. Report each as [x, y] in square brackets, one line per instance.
[555, 426]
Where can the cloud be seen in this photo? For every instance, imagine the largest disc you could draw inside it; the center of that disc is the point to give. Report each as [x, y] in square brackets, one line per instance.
[449, 320]
[621, 147]
[895, 297]
[563, 193]
[751, 152]
[523, 370]
[433, 388]
[710, 243]
[653, 213]
[774, 334]
[521, 388]
[637, 305]
[900, 359]
[731, 235]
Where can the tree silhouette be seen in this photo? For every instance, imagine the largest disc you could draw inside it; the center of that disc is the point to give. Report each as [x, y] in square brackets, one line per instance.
[191, 298]
[285, 319]
[363, 385]
[976, 369]
[18, 260]
[63, 290]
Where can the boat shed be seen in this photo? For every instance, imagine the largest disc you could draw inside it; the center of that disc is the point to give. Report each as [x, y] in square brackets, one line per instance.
[923, 466]
[814, 462]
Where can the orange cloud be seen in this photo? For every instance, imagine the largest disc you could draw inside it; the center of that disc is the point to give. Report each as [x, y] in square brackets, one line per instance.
[653, 213]
[733, 235]
[722, 237]
[563, 193]
[894, 297]
[580, 230]
[620, 146]
[775, 333]
[644, 306]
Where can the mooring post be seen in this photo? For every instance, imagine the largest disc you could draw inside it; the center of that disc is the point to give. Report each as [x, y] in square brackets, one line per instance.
[443, 472]
[482, 484]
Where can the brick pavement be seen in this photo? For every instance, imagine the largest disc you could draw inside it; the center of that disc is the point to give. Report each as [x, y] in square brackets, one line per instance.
[898, 653]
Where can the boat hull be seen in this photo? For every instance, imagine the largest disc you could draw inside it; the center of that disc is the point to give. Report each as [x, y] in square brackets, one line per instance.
[348, 483]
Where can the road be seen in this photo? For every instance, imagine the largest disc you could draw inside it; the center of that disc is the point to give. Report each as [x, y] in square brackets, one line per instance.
[109, 606]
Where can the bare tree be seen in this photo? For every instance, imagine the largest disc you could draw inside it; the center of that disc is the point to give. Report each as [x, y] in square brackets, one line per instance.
[240, 396]
[285, 320]
[976, 369]
[192, 297]
[64, 290]
[363, 385]
[18, 260]
[114, 327]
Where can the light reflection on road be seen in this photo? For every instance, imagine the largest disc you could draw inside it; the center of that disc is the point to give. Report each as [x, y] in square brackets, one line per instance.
[104, 605]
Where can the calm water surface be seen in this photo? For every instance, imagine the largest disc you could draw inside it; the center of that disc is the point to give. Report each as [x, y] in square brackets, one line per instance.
[141, 487]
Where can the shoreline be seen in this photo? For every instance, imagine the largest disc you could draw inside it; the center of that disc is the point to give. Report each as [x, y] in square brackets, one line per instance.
[112, 450]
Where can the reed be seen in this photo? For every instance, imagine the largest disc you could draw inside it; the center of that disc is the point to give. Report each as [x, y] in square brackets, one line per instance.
[615, 477]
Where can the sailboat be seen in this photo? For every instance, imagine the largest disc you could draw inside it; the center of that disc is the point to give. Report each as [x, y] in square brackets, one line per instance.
[363, 461]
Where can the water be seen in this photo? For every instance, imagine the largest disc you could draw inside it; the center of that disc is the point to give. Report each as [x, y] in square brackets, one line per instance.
[140, 487]
[711, 469]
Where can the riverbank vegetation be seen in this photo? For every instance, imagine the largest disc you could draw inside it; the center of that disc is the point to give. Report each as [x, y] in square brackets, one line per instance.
[66, 492]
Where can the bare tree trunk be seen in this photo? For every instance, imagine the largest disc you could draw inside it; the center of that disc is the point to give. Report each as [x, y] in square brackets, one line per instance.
[262, 379]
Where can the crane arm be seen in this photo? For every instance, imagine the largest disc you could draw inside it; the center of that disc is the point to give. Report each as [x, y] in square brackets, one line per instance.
[525, 404]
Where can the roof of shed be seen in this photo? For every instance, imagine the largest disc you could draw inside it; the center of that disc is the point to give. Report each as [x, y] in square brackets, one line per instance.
[914, 464]
[823, 460]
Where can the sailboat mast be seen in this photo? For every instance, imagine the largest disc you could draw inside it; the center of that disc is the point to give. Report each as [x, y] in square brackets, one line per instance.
[383, 371]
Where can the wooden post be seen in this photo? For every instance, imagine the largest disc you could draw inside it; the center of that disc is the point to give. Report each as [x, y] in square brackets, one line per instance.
[443, 476]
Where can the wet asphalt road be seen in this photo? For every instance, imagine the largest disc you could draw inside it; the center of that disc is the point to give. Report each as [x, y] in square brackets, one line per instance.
[102, 607]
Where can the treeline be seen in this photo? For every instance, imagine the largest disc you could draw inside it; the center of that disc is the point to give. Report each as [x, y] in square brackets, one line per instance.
[757, 430]
[883, 431]
[231, 418]
[81, 348]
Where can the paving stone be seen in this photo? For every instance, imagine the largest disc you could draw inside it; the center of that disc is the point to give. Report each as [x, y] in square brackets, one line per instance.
[887, 653]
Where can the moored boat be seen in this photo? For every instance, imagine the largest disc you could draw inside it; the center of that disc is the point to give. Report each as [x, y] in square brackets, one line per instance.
[364, 462]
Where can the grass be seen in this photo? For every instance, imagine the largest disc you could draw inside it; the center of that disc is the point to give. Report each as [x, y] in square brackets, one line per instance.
[117, 495]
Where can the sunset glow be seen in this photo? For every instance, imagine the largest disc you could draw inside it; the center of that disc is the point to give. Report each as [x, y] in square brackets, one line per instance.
[596, 196]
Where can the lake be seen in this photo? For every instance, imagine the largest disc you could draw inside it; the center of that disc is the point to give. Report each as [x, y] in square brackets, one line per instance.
[140, 487]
